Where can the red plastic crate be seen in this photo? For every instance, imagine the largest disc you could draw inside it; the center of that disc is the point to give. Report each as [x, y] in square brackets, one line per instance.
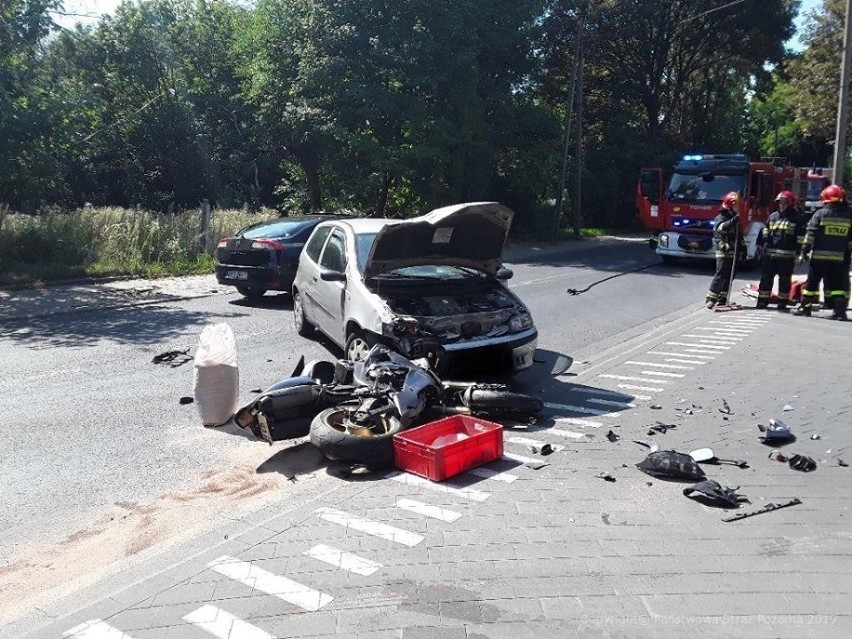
[414, 450]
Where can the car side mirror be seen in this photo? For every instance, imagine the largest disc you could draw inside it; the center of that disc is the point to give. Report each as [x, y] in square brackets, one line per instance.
[327, 275]
[504, 273]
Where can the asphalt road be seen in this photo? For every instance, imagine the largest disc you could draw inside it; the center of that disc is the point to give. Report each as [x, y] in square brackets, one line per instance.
[91, 427]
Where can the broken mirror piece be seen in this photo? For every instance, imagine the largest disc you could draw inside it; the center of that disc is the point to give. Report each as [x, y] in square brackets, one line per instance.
[717, 494]
[669, 464]
[776, 432]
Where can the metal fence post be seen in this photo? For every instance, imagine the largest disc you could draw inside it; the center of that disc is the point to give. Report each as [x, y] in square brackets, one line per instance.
[205, 225]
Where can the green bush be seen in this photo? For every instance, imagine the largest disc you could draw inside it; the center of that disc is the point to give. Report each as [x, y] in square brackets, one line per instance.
[98, 242]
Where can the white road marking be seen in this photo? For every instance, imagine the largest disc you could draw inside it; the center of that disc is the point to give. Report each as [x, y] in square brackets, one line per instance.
[686, 353]
[603, 391]
[649, 389]
[694, 352]
[735, 331]
[693, 345]
[711, 339]
[581, 423]
[490, 473]
[580, 409]
[427, 510]
[522, 459]
[343, 560]
[224, 625]
[661, 374]
[286, 589]
[675, 366]
[95, 629]
[627, 378]
[609, 402]
[568, 433]
[684, 361]
[422, 482]
[526, 441]
[368, 526]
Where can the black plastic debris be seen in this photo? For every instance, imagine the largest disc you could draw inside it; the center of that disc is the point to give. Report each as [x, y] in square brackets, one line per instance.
[544, 449]
[716, 494]
[655, 406]
[606, 477]
[726, 409]
[660, 427]
[802, 463]
[652, 445]
[768, 508]
[183, 401]
[840, 462]
[612, 437]
[669, 464]
[173, 358]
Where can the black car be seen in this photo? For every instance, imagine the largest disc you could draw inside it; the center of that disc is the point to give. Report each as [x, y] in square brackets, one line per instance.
[263, 257]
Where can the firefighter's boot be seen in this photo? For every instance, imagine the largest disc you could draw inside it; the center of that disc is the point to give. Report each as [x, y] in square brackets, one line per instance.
[839, 308]
[803, 311]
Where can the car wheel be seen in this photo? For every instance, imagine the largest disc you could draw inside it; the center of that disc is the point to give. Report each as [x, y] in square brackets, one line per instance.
[303, 326]
[358, 344]
[339, 437]
[251, 293]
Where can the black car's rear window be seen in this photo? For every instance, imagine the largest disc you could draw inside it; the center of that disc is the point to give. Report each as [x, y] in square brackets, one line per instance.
[281, 229]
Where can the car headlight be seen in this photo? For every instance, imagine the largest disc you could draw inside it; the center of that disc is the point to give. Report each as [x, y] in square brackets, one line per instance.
[664, 240]
[520, 322]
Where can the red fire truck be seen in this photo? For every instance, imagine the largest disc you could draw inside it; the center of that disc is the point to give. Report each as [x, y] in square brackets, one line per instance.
[680, 214]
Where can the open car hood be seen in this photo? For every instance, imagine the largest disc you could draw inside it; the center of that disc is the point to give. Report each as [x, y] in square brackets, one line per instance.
[470, 235]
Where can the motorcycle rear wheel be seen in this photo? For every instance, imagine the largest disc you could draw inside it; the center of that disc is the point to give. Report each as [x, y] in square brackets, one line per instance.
[495, 402]
[338, 438]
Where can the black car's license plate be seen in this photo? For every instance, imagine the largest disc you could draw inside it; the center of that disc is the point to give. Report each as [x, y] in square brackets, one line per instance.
[236, 275]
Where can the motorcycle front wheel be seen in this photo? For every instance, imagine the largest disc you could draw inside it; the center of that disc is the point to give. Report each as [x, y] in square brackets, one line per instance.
[338, 437]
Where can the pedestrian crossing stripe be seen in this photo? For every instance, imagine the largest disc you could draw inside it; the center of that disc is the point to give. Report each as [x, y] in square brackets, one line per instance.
[368, 526]
[224, 625]
[95, 629]
[490, 473]
[270, 583]
[343, 560]
[421, 482]
[427, 510]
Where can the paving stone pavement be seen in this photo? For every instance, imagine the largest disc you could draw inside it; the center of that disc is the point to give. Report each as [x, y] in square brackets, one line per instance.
[556, 552]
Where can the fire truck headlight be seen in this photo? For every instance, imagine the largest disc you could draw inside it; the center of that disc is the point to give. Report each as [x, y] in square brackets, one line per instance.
[664, 240]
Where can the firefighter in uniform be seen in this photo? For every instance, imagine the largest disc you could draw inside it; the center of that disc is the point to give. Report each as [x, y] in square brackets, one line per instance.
[726, 228]
[781, 238]
[827, 245]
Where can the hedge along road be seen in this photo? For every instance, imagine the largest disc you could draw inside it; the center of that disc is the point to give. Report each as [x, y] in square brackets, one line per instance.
[105, 466]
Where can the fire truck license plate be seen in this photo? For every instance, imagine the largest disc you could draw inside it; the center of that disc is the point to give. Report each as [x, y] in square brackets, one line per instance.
[236, 275]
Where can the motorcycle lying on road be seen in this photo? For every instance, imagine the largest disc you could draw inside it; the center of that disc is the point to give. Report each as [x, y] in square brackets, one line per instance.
[355, 408]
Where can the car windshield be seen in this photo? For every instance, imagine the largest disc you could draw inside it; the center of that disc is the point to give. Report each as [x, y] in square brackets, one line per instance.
[282, 229]
[704, 187]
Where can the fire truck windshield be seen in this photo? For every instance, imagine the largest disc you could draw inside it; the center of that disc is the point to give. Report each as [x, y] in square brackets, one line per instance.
[704, 187]
[814, 189]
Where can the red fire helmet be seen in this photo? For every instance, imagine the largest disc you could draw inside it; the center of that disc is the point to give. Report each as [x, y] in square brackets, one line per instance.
[731, 200]
[786, 195]
[832, 193]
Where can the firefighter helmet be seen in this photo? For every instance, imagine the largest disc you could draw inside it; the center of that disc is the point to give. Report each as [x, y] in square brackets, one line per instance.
[730, 200]
[786, 195]
[832, 193]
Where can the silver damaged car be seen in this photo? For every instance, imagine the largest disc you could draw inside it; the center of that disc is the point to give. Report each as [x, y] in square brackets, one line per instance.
[438, 279]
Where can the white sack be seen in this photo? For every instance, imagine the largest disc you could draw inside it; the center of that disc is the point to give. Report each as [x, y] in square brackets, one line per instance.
[216, 379]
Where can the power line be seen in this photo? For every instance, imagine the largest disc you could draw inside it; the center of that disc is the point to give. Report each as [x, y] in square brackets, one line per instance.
[724, 6]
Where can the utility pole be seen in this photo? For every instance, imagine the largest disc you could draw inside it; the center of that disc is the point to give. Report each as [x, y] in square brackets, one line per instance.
[578, 153]
[843, 102]
[566, 140]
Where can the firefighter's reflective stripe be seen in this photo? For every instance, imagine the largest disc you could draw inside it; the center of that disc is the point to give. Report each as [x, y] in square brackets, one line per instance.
[827, 256]
[781, 253]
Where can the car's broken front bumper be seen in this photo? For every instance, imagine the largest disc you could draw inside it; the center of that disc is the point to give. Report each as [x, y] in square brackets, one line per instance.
[490, 355]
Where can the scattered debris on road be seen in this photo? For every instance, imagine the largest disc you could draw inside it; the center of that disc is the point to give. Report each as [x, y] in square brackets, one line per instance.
[802, 463]
[670, 464]
[183, 401]
[612, 437]
[606, 477]
[777, 432]
[173, 358]
[766, 509]
[726, 409]
[716, 494]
